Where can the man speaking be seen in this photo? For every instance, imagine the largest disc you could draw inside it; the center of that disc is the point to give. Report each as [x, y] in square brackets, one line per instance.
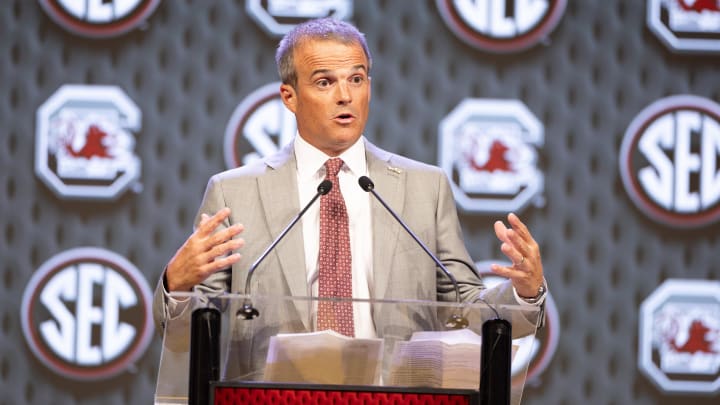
[348, 244]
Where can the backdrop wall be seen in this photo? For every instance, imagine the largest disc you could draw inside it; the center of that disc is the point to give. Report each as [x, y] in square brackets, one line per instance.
[191, 64]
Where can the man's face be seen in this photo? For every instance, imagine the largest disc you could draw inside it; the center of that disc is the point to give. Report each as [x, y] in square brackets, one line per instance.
[332, 96]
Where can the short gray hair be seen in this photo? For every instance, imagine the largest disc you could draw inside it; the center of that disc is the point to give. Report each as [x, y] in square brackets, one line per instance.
[324, 29]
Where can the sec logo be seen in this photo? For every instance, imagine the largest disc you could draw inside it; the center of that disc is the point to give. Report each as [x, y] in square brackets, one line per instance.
[99, 18]
[669, 161]
[258, 127]
[501, 26]
[86, 314]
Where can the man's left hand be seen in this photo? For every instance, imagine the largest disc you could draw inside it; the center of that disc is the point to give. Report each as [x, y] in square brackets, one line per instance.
[526, 272]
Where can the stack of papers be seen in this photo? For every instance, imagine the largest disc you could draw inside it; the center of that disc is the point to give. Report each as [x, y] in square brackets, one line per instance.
[437, 359]
[324, 357]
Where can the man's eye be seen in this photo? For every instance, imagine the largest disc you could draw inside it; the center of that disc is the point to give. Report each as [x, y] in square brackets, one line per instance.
[323, 83]
[357, 79]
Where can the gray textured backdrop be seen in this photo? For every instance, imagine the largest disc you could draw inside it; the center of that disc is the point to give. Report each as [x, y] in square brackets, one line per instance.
[195, 61]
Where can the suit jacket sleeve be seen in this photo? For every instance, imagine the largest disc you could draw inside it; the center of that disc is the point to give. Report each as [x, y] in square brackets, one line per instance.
[451, 249]
[176, 325]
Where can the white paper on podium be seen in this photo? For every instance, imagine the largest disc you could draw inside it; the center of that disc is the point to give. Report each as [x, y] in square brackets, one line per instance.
[447, 359]
[324, 357]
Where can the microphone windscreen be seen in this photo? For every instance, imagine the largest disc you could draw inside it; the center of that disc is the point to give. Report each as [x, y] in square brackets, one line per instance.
[365, 183]
[324, 187]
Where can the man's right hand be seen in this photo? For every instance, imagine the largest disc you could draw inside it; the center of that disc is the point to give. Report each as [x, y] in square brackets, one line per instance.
[204, 252]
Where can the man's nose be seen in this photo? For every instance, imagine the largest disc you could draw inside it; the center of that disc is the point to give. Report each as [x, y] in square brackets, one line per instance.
[343, 93]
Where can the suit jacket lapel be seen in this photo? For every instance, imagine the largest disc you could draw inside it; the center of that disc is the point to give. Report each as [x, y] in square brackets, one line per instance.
[389, 185]
[290, 252]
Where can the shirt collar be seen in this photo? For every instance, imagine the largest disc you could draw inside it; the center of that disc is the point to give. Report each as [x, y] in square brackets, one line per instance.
[311, 160]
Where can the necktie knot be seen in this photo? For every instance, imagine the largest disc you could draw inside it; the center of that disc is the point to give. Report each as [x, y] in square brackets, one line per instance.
[332, 167]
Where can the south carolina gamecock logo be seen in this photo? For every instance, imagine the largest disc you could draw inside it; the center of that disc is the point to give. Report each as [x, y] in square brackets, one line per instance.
[679, 348]
[278, 17]
[84, 143]
[686, 25]
[488, 149]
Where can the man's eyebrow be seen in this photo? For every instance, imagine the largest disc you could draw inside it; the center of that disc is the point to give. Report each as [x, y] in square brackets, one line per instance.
[355, 68]
[319, 71]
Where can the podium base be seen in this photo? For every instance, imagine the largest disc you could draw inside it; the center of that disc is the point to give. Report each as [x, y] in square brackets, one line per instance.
[223, 393]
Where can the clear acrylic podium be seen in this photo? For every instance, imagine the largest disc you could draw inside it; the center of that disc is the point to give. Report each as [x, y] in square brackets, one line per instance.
[212, 352]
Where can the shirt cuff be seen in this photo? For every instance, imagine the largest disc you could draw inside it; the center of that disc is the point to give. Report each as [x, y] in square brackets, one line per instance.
[175, 306]
[535, 303]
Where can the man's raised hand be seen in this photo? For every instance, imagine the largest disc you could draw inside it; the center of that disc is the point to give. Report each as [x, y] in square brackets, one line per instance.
[204, 252]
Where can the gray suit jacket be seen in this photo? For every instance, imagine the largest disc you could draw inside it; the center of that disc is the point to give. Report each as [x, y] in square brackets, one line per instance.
[264, 197]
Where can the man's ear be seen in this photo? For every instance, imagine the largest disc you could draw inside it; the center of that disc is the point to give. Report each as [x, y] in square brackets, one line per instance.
[287, 94]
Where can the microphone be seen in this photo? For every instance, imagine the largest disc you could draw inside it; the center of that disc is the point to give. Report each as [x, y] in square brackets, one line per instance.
[456, 321]
[248, 311]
